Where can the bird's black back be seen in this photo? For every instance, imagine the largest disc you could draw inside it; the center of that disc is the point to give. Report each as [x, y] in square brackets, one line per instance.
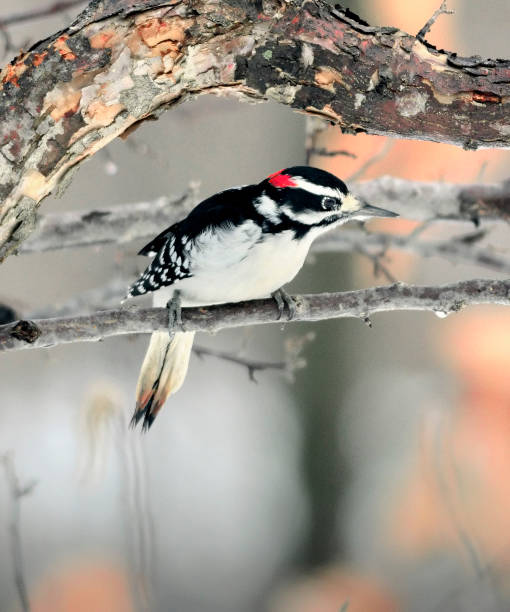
[229, 207]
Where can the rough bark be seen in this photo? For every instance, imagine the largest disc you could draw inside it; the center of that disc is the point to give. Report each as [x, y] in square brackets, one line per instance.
[442, 300]
[123, 61]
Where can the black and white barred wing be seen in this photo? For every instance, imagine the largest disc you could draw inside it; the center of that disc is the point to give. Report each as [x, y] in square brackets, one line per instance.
[171, 264]
[215, 249]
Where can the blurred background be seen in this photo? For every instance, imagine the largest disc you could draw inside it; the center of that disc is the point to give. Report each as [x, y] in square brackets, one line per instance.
[375, 481]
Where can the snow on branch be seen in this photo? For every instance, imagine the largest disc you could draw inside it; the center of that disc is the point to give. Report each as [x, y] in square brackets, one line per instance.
[360, 304]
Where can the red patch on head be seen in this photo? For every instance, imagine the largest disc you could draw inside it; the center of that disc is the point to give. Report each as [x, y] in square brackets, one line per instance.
[277, 179]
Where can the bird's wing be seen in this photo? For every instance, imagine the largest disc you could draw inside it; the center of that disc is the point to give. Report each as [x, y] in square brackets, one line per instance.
[215, 235]
[170, 265]
[152, 247]
[212, 211]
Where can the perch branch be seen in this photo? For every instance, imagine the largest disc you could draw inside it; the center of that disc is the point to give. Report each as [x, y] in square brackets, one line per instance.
[110, 295]
[457, 251]
[358, 304]
[123, 61]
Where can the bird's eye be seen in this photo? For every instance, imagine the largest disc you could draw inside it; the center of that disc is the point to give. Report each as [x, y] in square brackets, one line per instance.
[329, 203]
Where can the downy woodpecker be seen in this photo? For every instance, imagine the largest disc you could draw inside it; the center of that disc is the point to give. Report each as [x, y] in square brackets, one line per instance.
[241, 244]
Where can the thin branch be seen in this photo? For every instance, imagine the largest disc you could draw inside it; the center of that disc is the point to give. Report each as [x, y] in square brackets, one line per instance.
[346, 240]
[314, 126]
[16, 492]
[110, 296]
[48, 11]
[361, 304]
[252, 365]
[144, 220]
[454, 250]
[374, 159]
[442, 10]
[117, 224]
[323, 152]
[378, 266]
[411, 199]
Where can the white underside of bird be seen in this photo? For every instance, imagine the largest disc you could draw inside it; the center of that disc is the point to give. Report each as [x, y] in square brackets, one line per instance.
[234, 265]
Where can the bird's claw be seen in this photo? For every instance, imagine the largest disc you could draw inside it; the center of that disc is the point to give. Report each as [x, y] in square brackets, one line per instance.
[174, 312]
[283, 299]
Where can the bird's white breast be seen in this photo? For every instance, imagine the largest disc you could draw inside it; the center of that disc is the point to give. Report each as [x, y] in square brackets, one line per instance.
[243, 266]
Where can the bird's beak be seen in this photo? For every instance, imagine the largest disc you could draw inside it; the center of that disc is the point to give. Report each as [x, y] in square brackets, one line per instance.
[367, 212]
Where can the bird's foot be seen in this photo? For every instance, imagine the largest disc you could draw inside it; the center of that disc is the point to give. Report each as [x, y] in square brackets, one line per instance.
[174, 312]
[283, 299]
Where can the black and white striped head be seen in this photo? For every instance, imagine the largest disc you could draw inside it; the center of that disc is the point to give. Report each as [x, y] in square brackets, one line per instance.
[313, 197]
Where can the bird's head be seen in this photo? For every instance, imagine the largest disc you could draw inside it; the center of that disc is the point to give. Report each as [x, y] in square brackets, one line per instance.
[314, 197]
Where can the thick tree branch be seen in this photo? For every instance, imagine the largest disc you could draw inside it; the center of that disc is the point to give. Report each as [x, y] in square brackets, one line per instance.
[359, 304]
[124, 60]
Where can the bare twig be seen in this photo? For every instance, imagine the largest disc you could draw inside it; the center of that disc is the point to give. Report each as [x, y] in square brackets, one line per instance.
[314, 126]
[378, 266]
[442, 300]
[323, 152]
[118, 224]
[124, 223]
[374, 159]
[16, 492]
[39, 13]
[442, 10]
[456, 251]
[251, 365]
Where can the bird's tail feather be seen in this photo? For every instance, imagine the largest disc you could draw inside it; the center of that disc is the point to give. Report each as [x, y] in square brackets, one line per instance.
[163, 371]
